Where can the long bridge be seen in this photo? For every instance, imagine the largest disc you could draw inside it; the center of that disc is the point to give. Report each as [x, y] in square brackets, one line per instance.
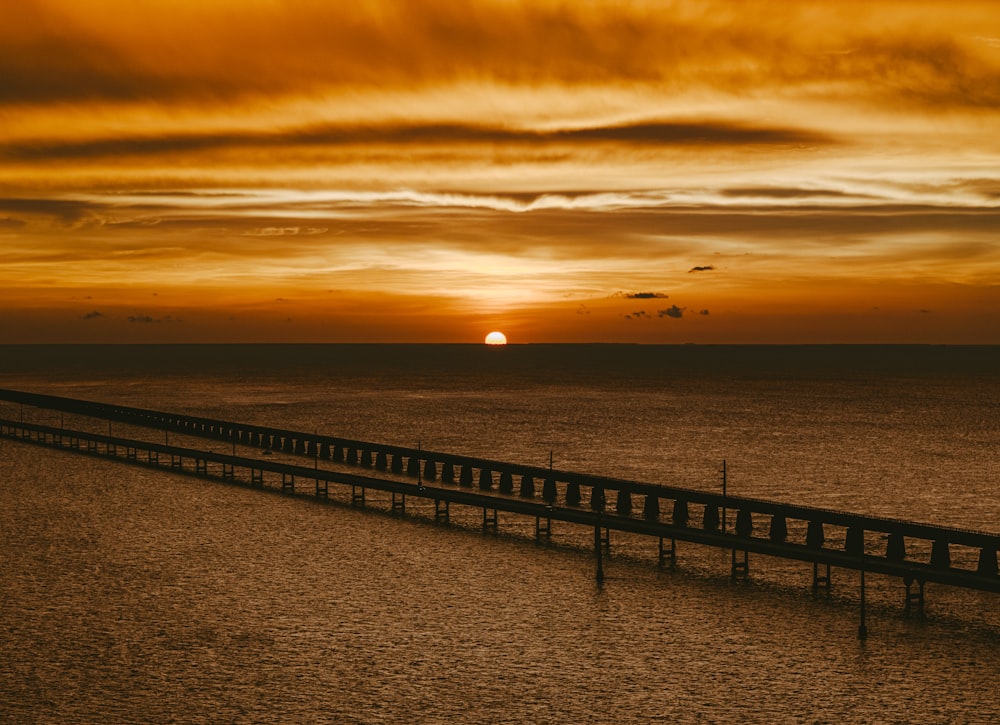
[916, 552]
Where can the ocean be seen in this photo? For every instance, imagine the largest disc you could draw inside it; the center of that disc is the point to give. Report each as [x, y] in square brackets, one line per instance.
[138, 595]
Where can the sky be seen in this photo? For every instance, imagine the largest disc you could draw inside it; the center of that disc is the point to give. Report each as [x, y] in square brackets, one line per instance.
[755, 171]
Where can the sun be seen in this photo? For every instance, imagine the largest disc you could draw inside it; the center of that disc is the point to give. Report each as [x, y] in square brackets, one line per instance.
[496, 338]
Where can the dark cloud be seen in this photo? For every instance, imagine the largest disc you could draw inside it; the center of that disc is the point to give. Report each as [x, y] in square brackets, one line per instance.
[690, 134]
[706, 268]
[66, 210]
[672, 311]
[224, 51]
[646, 296]
[149, 320]
[93, 315]
[9, 223]
[646, 134]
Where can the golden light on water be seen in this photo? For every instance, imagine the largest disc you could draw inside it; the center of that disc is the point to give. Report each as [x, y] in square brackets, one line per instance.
[496, 338]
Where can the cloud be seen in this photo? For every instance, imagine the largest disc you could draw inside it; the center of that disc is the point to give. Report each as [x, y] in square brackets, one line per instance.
[285, 231]
[648, 134]
[150, 320]
[771, 192]
[706, 268]
[703, 312]
[9, 223]
[93, 315]
[57, 52]
[65, 210]
[646, 296]
[672, 311]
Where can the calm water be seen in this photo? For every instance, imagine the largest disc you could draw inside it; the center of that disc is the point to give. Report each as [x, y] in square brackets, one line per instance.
[131, 595]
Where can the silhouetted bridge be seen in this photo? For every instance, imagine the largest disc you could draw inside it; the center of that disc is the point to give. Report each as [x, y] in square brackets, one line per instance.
[916, 552]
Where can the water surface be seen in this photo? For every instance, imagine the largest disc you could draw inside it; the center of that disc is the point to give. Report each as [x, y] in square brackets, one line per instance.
[134, 595]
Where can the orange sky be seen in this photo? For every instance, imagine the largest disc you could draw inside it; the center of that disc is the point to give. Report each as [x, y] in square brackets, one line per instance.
[296, 170]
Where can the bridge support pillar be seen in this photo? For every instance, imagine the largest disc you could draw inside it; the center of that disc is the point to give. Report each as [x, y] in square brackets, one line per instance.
[940, 555]
[740, 565]
[287, 483]
[490, 519]
[357, 495]
[668, 554]
[779, 528]
[549, 491]
[398, 502]
[987, 561]
[863, 625]
[598, 554]
[710, 519]
[447, 472]
[623, 503]
[485, 479]
[542, 530]
[442, 511]
[257, 477]
[914, 599]
[821, 580]
[651, 507]
[322, 488]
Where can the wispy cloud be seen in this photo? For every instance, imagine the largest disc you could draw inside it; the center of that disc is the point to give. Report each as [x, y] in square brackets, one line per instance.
[56, 52]
[650, 134]
[524, 157]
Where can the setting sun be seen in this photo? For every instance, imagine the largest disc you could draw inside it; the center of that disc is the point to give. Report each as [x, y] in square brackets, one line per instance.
[496, 338]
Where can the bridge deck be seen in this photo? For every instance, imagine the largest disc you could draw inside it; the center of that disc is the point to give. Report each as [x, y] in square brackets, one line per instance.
[560, 498]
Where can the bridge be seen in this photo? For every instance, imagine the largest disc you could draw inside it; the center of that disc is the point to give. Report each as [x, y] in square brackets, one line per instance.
[915, 552]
